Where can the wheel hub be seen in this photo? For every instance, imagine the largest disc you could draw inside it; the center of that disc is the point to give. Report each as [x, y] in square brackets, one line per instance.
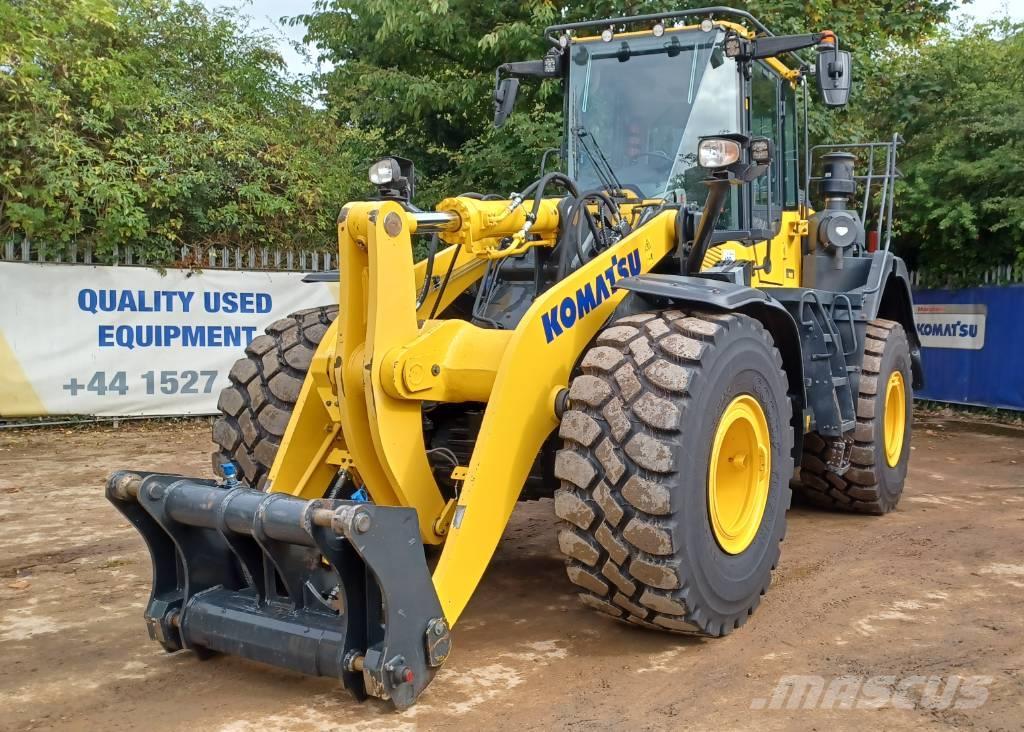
[894, 422]
[739, 474]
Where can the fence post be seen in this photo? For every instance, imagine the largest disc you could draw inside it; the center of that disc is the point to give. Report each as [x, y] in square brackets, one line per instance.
[88, 253]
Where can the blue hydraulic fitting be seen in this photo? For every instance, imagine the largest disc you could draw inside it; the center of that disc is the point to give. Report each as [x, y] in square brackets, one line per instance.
[230, 475]
[360, 495]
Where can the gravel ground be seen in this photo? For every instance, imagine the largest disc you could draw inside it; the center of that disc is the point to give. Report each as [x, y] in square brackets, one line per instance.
[908, 621]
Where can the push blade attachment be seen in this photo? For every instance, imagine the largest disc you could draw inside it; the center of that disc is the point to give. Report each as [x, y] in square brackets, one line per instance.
[325, 587]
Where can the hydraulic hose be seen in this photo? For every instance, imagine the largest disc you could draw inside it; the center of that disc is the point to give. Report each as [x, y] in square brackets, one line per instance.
[429, 273]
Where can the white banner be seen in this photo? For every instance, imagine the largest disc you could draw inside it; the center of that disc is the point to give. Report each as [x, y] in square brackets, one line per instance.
[119, 341]
[951, 326]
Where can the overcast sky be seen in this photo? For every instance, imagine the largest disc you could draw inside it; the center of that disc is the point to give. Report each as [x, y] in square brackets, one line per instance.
[265, 14]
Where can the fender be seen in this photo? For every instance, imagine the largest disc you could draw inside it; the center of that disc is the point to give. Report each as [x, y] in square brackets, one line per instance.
[650, 290]
[892, 299]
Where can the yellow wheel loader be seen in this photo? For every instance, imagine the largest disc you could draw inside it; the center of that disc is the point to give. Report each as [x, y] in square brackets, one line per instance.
[697, 316]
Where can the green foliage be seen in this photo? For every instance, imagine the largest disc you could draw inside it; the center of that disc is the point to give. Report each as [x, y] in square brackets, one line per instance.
[959, 102]
[155, 123]
[423, 71]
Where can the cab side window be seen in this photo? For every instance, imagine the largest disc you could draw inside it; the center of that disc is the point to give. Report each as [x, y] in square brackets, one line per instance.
[765, 122]
[790, 148]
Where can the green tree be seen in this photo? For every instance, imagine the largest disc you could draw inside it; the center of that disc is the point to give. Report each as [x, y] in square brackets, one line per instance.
[423, 71]
[959, 103]
[155, 123]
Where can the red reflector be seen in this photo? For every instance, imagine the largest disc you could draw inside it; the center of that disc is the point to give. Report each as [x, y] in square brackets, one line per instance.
[408, 676]
[873, 240]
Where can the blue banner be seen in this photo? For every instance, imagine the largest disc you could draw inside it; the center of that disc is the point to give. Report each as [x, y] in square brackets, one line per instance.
[973, 345]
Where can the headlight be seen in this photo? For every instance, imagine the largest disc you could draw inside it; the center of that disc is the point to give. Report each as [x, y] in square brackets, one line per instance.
[717, 153]
[385, 171]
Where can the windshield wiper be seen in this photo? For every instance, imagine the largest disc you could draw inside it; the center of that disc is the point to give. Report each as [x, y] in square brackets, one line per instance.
[602, 167]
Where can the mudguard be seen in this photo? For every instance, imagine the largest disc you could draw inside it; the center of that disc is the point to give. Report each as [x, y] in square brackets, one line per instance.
[719, 295]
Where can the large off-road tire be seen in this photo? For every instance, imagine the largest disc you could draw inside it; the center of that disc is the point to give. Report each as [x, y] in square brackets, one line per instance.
[265, 384]
[881, 451]
[641, 463]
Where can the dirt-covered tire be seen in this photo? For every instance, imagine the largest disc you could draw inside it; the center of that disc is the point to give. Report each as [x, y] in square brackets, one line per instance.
[871, 484]
[265, 383]
[635, 470]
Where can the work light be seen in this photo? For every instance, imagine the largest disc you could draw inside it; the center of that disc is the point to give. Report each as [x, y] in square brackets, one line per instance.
[707, 25]
[385, 170]
[607, 35]
[733, 47]
[658, 30]
[760, 150]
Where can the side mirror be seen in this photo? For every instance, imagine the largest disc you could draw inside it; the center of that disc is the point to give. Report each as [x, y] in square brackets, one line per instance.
[834, 73]
[504, 99]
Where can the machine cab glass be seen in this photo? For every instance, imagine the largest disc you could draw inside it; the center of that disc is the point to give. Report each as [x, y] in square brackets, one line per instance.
[638, 104]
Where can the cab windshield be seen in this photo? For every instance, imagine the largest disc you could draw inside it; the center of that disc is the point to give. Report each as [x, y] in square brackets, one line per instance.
[637, 106]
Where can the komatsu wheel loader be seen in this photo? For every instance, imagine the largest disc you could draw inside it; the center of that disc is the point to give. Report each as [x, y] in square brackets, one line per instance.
[697, 316]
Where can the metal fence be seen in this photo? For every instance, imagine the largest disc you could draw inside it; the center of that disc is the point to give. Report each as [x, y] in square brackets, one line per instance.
[1003, 274]
[249, 258]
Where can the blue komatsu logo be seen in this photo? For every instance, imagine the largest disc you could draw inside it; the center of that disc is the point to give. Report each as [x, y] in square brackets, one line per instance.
[574, 308]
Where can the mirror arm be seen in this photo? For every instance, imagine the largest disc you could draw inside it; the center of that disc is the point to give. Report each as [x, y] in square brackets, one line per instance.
[522, 68]
[718, 187]
[769, 46]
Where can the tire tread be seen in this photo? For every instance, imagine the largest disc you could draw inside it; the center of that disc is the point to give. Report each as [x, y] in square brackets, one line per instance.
[264, 386]
[858, 490]
[634, 388]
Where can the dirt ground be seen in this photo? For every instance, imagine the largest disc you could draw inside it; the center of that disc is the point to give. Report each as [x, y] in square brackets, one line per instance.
[935, 589]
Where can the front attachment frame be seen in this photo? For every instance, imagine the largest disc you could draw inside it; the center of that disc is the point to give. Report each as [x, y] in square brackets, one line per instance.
[324, 587]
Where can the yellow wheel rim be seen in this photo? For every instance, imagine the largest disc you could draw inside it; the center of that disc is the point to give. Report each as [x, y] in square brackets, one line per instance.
[894, 422]
[739, 474]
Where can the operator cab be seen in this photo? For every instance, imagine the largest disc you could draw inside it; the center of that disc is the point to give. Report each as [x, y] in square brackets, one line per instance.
[637, 105]
[640, 93]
